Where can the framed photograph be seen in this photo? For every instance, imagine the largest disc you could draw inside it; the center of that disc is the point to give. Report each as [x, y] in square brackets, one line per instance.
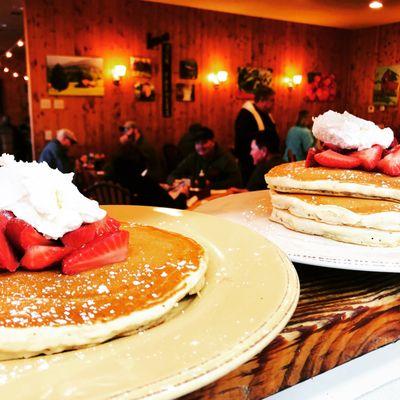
[249, 78]
[386, 85]
[141, 67]
[321, 88]
[75, 76]
[188, 69]
[184, 92]
[144, 91]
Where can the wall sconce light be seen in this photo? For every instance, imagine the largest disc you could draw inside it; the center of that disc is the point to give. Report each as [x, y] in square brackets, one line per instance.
[293, 81]
[216, 78]
[118, 72]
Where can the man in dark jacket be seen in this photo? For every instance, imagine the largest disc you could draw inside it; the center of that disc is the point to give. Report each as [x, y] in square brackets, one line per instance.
[55, 153]
[130, 132]
[209, 163]
[252, 118]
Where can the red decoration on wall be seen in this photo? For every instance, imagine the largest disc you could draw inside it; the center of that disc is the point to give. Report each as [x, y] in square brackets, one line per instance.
[321, 87]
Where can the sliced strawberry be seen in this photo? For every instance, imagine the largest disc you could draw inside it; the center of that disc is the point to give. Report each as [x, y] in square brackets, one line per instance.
[40, 257]
[331, 146]
[390, 164]
[5, 216]
[310, 161]
[332, 159]
[369, 157]
[8, 260]
[106, 249]
[22, 235]
[88, 232]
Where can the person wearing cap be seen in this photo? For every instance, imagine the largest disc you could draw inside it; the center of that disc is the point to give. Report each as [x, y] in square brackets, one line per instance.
[255, 117]
[131, 134]
[55, 153]
[209, 162]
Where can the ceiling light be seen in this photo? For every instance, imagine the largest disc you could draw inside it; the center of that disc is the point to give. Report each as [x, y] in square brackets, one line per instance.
[15, 74]
[8, 54]
[375, 5]
[20, 43]
[6, 69]
[26, 77]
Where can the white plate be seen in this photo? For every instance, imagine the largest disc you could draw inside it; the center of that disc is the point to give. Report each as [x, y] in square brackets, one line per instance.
[252, 209]
[250, 294]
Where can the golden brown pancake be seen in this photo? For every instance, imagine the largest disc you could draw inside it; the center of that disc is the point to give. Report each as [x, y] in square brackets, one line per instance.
[90, 307]
[296, 178]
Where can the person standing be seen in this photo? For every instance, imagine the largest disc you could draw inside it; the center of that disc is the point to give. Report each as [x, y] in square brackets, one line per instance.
[299, 138]
[55, 153]
[255, 117]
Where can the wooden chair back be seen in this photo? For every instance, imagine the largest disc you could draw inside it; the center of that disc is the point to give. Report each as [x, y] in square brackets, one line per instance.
[106, 192]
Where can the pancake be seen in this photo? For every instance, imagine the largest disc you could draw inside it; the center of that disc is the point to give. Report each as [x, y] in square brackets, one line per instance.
[364, 213]
[296, 178]
[342, 233]
[48, 312]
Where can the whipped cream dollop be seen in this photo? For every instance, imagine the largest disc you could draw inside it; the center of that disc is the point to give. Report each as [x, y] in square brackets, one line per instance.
[44, 197]
[350, 132]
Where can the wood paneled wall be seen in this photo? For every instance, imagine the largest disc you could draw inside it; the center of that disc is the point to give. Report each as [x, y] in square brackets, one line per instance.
[370, 48]
[116, 30]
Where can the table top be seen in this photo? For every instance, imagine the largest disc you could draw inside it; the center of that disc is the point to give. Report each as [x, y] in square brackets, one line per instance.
[341, 315]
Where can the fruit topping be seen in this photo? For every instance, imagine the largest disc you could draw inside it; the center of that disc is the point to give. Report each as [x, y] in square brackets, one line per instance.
[5, 216]
[40, 257]
[106, 249]
[333, 159]
[22, 235]
[8, 260]
[369, 157]
[310, 161]
[88, 232]
[390, 164]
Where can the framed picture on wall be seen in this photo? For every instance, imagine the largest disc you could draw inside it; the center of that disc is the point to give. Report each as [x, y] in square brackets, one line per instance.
[249, 78]
[386, 85]
[184, 92]
[188, 69]
[144, 91]
[141, 67]
[75, 76]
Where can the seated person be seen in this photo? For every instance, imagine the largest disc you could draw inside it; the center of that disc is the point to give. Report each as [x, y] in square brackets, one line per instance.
[55, 153]
[130, 132]
[127, 167]
[263, 159]
[299, 138]
[209, 162]
[186, 143]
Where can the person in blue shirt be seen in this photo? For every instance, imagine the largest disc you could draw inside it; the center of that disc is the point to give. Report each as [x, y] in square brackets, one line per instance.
[299, 138]
[55, 153]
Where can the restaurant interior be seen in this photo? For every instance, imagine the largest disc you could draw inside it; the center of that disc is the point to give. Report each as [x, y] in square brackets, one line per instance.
[187, 105]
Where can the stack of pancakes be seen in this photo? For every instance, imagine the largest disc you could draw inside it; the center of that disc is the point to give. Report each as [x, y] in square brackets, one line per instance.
[346, 205]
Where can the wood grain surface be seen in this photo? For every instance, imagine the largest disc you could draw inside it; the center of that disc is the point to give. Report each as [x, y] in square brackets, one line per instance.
[340, 316]
[116, 30]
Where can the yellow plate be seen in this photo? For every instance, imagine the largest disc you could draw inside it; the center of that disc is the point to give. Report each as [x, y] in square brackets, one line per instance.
[251, 292]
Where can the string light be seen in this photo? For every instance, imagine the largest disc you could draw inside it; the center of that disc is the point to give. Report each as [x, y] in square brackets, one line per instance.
[9, 54]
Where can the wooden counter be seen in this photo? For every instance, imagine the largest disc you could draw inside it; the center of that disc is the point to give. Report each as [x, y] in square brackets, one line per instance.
[340, 316]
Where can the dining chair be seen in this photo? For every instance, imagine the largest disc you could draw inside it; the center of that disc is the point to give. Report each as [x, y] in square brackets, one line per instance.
[106, 192]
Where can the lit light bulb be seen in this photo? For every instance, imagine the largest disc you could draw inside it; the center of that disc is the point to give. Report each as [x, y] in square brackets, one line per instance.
[26, 77]
[222, 76]
[375, 5]
[212, 77]
[9, 54]
[15, 74]
[297, 79]
[20, 43]
[6, 69]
